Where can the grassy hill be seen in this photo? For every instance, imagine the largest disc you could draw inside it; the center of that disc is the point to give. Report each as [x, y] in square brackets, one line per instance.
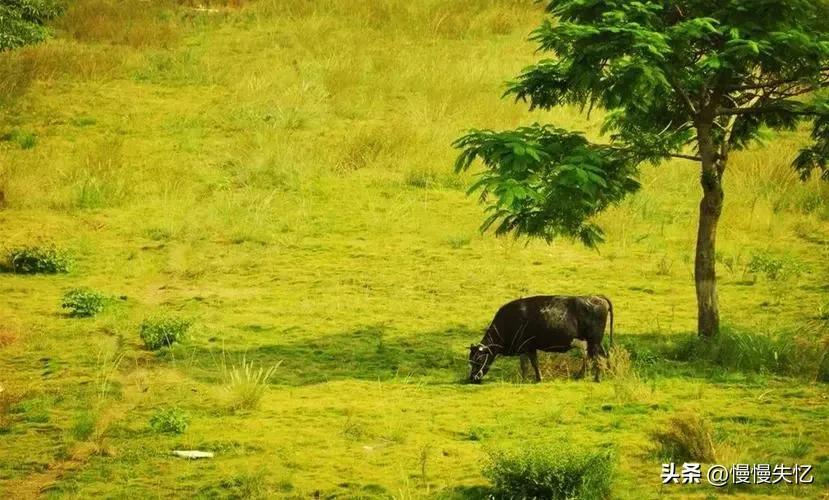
[279, 173]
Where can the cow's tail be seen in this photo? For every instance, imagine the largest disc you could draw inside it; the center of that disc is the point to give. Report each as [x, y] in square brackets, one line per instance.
[610, 311]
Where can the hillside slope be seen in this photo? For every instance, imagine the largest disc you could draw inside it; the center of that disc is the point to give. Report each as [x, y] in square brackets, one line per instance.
[280, 173]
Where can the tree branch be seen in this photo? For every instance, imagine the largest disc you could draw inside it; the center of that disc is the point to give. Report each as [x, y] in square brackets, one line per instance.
[765, 85]
[689, 105]
[686, 157]
[765, 109]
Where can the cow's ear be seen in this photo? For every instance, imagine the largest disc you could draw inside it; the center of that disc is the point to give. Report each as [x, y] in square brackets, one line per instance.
[472, 346]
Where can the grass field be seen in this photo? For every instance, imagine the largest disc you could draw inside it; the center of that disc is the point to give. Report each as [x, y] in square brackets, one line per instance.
[280, 174]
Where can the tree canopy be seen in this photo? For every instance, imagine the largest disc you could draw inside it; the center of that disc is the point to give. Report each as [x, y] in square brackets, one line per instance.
[659, 69]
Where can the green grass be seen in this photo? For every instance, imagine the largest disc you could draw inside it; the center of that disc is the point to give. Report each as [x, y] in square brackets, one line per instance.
[281, 174]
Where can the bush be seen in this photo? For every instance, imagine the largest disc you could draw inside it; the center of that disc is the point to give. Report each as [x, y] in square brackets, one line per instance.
[774, 268]
[22, 23]
[559, 472]
[169, 420]
[32, 260]
[685, 438]
[83, 302]
[163, 331]
[247, 385]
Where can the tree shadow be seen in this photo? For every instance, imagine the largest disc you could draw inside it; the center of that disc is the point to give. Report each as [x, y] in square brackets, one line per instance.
[372, 352]
[378, 352]
[466, 493]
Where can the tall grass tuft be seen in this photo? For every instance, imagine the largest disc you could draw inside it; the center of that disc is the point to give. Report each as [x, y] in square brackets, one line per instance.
[557, 472]
[685, 437]
[783, 353]
[619, 369]
[247, 384]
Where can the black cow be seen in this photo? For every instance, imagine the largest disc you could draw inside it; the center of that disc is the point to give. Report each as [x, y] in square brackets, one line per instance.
[547, 323]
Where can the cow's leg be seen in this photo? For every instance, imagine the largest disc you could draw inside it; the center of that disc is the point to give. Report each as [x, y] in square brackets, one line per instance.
[594, 349]
[524, 362]
[533, 355]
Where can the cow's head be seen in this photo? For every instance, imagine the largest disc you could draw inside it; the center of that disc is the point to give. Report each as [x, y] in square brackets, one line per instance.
[480, 359]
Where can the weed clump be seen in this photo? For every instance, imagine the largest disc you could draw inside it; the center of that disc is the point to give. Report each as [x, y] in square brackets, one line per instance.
[169, 421]
[163, 331]
[558, 472]
[246, 385]
[619, 369]
[84, 426]
[83, 302]
[38, 260]
[782, 354]
[685, 438]
[25, 140]
[774, 268]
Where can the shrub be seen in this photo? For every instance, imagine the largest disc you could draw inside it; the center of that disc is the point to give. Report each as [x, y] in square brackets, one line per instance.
[169, 420]
[22, 23]
[774, 268]
[558, 472]
[246, 385]
[686, 437]
[32, 260]
[83, 302]
[163, 331]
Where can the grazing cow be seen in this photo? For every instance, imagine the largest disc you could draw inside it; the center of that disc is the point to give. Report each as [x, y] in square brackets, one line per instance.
[549, 323]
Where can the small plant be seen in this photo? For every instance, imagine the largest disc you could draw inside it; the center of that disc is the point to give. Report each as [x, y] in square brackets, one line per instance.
[685, 437]
[33, 260]
[84, 426]
[25, 140]
[246, 485]
[619, 369]
[476, 433]
[169, 421]
[798, 447]
[425, 451]
[246, 385]
[83, 302]
[163, 331]
[774, 268]
[558, 472]
[458, 242]
[422, 177]
[664, 266]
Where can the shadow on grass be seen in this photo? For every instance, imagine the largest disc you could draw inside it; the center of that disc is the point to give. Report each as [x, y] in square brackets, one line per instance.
[368, 353]
[377, 352]
[465, 493]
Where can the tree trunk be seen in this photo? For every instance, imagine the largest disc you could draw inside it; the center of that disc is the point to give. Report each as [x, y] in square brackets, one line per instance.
[710, 208]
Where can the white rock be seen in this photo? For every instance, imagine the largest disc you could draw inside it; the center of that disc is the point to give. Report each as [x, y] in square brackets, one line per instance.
[193, 454]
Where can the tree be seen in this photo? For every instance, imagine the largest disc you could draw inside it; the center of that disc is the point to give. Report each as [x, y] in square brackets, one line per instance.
[689, 79]
[22, 21]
